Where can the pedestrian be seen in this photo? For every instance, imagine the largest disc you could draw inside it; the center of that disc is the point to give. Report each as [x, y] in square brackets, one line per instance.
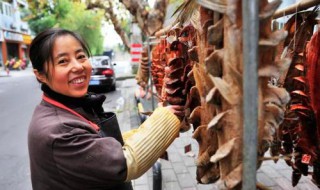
[73, 143]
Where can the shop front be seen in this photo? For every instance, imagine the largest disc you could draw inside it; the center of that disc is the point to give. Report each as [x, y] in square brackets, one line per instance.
[1, 41]
[15, 46]
[27, 39]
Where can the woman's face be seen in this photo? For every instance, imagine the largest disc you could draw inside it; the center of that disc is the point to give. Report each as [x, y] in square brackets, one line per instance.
[71, 69]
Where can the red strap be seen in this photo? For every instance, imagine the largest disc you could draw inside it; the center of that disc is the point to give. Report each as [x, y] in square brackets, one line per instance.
[55, 103]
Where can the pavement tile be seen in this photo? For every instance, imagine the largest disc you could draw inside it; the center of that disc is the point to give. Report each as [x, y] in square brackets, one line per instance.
[172, 186]
[141, 187]
[306, 186]
[305, 179]
[174, 157]
[150, 172]
[143, 180]
[189, 161]
[172, 148]
[185, 180]
[281, 164]
[187, 133]
[180, 167]
[270, 171]
[168, 175]
[265, 180]
[150, 182]
[192, 170]
[284, 183]
[180, 142]
[180, 150]
[275, 188]
[166, 164]
[190, 188]
[286, 173]
[207, 187]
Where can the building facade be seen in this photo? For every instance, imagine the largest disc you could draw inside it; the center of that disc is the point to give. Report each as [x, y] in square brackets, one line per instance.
[15, 35]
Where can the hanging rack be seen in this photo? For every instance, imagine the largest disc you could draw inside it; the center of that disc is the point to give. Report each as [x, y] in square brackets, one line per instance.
[151, 40]
[250, 41]
[299, 6]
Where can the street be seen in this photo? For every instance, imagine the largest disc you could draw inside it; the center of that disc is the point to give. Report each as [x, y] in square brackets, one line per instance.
[19, 95]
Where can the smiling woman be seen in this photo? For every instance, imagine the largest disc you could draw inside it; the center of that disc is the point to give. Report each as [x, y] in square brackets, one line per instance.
[73, 143]
[69, 72]
[62, 63]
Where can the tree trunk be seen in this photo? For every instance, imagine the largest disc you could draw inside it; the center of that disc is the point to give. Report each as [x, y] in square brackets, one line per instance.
[109, 14]
[149, 21]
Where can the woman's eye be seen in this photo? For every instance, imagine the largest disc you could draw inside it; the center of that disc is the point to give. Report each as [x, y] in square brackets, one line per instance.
[81, 57]
[62, 61]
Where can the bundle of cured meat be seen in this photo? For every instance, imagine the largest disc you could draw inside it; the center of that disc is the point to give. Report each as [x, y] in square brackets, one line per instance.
[299, 133]
[313, 70]
[171, 66]
[142, 76]
[159, 60]
[202, 111]
[218, 78]
[176, 71]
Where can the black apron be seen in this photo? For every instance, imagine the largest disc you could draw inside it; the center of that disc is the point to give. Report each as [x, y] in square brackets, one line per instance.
[109, 127]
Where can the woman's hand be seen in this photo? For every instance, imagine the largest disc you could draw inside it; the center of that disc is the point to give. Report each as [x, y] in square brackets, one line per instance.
[178, 110]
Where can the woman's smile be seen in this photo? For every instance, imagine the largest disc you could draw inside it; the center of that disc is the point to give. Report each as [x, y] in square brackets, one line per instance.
[78, 80]
[71, 69]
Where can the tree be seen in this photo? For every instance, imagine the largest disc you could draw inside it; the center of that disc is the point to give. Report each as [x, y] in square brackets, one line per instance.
[70, 15]
[53, 12]
[117, 15]
[87, 23]
[150, 20]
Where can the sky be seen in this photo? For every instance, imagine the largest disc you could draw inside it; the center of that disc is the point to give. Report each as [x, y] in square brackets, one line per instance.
[111, 38]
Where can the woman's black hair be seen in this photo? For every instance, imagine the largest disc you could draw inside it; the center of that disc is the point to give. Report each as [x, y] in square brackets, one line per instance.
[41, 48]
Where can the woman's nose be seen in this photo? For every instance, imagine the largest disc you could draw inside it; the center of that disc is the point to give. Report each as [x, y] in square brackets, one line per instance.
[77, 66]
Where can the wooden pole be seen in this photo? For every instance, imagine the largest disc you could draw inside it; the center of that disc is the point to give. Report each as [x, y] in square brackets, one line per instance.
[299, 6]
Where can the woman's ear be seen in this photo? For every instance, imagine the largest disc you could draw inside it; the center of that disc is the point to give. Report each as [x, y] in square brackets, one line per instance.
[40, 76]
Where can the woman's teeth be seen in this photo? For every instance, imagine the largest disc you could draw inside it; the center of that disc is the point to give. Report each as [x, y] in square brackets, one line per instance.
[78, 81]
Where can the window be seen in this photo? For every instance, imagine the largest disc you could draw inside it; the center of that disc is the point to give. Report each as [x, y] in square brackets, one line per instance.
[105, 62]
[1, 11]
[7, 9]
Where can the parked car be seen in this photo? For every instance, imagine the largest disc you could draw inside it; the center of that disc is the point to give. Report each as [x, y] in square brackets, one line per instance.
[103, 75]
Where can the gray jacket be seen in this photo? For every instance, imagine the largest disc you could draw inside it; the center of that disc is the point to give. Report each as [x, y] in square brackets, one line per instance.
[67, 153]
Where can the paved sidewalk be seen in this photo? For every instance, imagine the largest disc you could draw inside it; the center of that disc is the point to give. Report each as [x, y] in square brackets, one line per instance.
[16, 73]
[179, 173]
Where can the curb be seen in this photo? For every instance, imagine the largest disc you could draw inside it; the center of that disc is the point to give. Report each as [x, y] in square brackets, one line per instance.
[125, 77]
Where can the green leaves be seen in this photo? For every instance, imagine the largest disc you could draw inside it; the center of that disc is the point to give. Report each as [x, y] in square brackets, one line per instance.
[69, 15]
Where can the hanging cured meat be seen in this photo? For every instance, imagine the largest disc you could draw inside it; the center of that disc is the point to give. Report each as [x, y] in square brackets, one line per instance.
[158, 64]
[299, 133]
[142, 76]
[218, 77]
[313, 70]
[199, 64]
[171, 67]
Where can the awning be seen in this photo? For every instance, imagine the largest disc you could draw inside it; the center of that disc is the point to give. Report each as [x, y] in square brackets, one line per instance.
[27, 39]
